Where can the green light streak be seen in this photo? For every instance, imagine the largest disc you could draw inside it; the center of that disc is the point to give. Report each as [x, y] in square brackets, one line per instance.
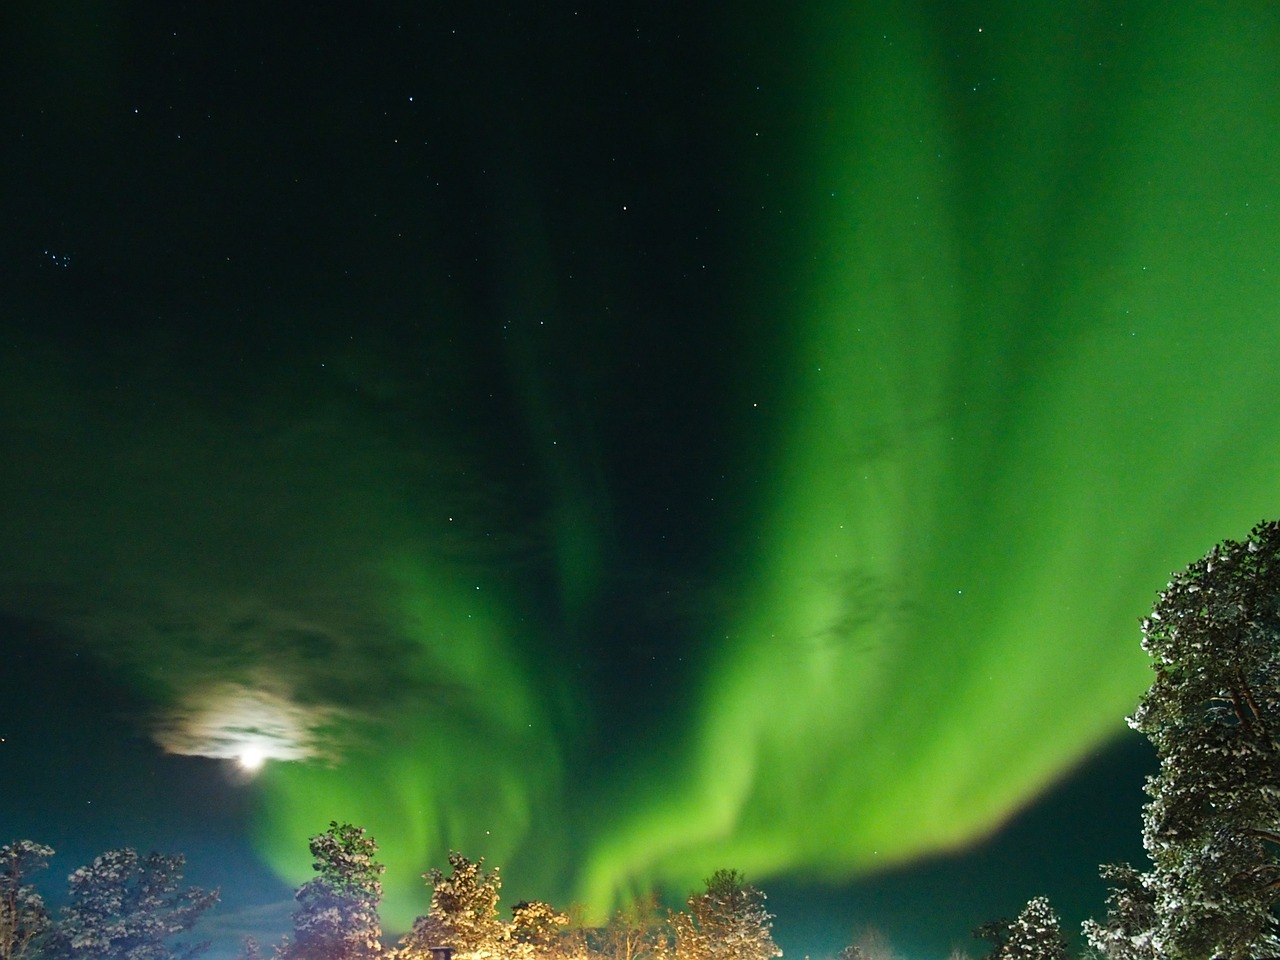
[466, 767]
[1034, 333]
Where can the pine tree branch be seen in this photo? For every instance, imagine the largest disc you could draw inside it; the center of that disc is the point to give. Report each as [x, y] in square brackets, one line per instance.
[1265, 833]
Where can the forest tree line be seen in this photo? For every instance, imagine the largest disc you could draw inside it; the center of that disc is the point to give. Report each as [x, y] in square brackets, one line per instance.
[126, 907]
[1211, 830]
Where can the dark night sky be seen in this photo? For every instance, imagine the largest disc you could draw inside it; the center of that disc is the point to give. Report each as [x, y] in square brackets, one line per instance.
[624, 441]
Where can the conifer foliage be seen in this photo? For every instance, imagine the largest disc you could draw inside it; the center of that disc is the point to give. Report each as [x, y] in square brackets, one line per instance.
[1129, 930]
[1036, 934]
[337, 913]
[727, 921]
[463, 914]
[1212, 827]
[539, 930]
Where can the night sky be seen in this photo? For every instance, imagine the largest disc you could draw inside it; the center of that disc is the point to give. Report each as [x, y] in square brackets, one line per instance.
[622, 441]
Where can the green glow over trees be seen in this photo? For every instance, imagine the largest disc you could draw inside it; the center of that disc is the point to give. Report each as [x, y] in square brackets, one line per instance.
[996, 442]
[1000, 308]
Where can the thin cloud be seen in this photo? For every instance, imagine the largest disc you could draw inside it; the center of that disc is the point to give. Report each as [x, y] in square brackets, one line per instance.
[232, 721]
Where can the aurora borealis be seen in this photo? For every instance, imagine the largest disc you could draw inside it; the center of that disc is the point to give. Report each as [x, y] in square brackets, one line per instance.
[626, 444]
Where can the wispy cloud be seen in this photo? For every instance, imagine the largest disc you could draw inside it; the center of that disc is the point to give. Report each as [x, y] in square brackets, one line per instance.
[233, 721]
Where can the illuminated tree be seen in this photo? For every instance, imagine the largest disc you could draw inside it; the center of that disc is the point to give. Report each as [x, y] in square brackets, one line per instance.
[728, 921]
[127, 907]
[1129, 930]
[637, 932]
[337, 913]
[540, 930]
[1212, 826]
[24, 920]
[1036, 934]
[463, 913]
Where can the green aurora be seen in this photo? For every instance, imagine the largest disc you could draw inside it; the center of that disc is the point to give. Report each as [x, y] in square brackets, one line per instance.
[1030, 301]
[1030, 375]
[1006, 327]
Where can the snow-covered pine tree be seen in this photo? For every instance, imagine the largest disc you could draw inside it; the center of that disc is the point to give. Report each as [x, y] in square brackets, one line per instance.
[728, 921]
[23, 916]
[463, 914]
[1212, 826]
[1129, 930]
[124, 906]
[337, 913]
[539, 930]
[1036, 934]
